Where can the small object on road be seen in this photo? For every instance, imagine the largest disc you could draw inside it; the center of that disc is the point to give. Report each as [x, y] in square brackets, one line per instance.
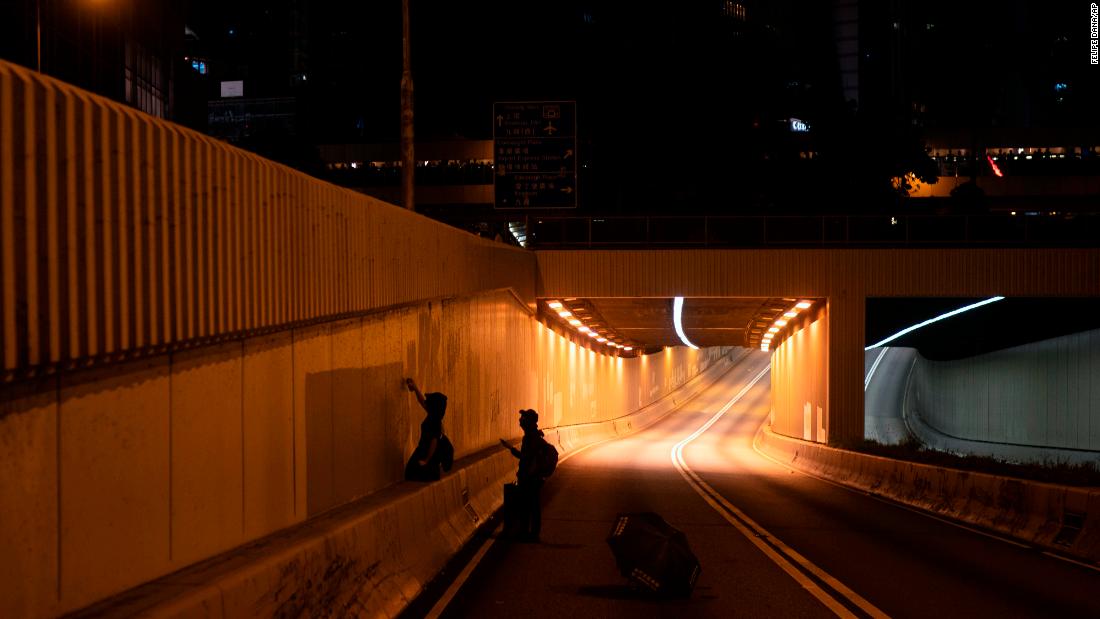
[654, 554]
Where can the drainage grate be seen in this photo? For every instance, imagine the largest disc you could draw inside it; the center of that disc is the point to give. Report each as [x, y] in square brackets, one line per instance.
[469, 508]
[1071, 526]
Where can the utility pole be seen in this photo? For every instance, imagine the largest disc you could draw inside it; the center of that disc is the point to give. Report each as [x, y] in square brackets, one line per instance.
[38, 34]
[408, 160]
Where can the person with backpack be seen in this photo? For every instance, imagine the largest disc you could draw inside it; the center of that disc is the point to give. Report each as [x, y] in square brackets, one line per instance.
[537, 460]
[434, 449]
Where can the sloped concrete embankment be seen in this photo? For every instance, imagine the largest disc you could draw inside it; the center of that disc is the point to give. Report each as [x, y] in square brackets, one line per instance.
[1062, 519]
[372, 557]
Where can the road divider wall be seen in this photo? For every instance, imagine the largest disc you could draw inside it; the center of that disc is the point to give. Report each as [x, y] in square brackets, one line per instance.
[1061, 519]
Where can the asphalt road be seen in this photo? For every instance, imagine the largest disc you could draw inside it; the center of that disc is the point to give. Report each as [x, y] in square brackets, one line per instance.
[772, 542]
[886, 371]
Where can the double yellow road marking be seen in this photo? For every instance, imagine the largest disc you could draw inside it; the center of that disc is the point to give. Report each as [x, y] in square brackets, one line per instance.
[828, 590]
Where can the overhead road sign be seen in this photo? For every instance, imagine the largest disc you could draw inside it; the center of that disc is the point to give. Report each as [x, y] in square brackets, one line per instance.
[535, 154]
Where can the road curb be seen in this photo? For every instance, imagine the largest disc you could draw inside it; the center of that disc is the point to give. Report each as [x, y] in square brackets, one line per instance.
[1064, 520]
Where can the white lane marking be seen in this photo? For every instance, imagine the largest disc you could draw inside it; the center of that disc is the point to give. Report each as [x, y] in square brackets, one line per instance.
[449, 594]
[464, 575]
[754, 532]
[874, 366]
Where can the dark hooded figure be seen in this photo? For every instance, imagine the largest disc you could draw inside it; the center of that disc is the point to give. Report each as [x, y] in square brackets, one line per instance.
[528, 477]
[424, 464]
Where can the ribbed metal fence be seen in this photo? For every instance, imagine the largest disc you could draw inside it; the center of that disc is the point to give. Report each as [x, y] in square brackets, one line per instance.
[122, 234]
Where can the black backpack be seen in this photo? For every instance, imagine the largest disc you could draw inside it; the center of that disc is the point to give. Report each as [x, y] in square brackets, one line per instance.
[445, 452]
[547, 460]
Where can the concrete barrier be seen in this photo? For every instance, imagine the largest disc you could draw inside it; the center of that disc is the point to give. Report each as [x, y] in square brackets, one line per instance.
[374, 556]
[369, 558]
[1062, 519]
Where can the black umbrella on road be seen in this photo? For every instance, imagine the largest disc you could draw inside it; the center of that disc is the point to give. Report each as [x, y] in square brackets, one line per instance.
[654, 554]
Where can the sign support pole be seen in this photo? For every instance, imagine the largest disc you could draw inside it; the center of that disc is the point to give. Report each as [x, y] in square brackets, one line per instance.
[408, 160]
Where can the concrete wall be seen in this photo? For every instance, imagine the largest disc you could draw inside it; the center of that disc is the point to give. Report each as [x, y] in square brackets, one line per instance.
[799, 379]
[114, 476]
[1044, 394]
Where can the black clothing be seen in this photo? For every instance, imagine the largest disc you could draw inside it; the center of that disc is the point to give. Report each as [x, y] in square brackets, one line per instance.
[529, 482]
[529, 457]
[431, 428]
[530, 503]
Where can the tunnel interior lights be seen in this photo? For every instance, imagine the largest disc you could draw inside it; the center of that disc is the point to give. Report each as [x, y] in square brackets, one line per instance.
[780, 322]
[583, 318]
[677, 321]
[955, 312]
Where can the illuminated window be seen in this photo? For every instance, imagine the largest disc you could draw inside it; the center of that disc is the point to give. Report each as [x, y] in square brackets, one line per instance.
[733, 9]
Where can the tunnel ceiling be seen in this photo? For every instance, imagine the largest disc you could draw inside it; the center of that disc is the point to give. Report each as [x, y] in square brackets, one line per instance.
[707, 321]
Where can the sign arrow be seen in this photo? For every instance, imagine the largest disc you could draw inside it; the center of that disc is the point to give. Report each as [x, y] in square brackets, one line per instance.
[500, 119]
[567, 190]
[568, 153]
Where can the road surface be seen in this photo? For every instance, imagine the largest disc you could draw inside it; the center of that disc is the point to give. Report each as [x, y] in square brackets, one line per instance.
[772, 542]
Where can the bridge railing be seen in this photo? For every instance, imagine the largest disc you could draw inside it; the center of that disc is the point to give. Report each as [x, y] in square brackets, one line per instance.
[605, 232]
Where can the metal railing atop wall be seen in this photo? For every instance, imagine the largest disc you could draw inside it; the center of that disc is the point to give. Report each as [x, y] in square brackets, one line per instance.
[123, 235]
[608, 232]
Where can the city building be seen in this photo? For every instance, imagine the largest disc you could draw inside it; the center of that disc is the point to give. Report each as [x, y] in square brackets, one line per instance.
[126, 51]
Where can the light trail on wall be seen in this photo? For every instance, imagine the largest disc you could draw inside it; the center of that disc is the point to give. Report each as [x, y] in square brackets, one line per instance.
[677, 321]
[932, 320]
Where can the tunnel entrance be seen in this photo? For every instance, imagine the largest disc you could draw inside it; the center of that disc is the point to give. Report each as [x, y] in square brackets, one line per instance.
[630, 326]
[793, 328]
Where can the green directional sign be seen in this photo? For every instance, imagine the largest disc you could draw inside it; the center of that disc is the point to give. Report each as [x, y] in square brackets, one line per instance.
[535, 154]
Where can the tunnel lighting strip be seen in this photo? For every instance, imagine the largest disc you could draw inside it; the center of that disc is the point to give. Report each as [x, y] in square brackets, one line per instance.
[932, 320]
[780, 322]
[576, 323]
[677, 316]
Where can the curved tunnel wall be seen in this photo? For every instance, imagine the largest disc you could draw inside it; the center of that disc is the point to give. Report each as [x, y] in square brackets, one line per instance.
[112, 478]
[1044, 394]
[799, 379]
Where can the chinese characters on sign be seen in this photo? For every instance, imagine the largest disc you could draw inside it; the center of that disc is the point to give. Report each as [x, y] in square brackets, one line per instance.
[534, 150]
